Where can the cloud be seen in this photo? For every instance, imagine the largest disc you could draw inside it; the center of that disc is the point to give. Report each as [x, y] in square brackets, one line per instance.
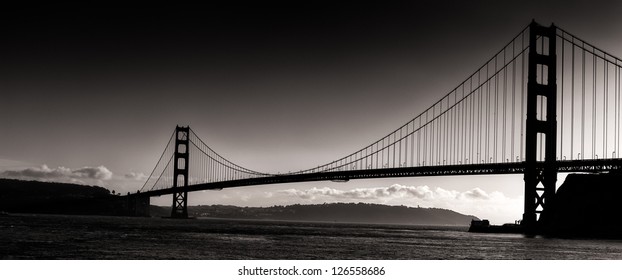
[393, 191]
[60, 174]
[99, 173]
[475, 193]
[138, 176]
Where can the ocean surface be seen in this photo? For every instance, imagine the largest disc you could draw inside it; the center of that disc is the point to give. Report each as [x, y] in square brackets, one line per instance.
[24, 236]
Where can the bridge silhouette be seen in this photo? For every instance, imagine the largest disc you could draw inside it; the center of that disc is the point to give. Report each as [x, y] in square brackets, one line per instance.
[547, 102]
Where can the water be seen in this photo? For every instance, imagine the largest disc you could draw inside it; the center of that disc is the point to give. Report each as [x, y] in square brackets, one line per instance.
[94, 237]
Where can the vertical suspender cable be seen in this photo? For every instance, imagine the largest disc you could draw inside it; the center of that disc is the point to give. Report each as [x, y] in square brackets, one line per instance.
[561, 142]
[522, 107]
[572, 97]
[489, 126]
[594, 63]
[496, 107]
[605, 87]
[583, 106]
[513, 100]
[505, 77]
[479, 117]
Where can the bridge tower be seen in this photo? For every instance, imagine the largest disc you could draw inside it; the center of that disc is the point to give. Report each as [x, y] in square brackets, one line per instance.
[180, 172]
[540, 175]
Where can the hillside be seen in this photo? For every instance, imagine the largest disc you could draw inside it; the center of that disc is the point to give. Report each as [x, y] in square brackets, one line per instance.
[337, 212]
[54, 198]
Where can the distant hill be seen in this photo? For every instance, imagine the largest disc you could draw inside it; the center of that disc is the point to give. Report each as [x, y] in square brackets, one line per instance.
[334, 212]
[54, 198]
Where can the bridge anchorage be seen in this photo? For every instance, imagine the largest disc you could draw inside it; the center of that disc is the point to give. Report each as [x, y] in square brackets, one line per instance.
[503, 119]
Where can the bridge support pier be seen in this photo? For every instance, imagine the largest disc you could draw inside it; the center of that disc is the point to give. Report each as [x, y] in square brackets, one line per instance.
[180, 173]
[540, 174]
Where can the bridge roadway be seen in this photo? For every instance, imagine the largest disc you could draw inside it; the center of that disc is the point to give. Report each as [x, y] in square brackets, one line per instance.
[592, 165]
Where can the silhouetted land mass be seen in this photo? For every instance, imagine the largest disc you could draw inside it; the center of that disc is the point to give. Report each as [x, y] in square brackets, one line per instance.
[334, 212]
[56, 198]
[588, 205]
[18, 196]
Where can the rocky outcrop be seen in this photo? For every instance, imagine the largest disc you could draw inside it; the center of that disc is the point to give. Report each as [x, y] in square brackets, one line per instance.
[588, 205]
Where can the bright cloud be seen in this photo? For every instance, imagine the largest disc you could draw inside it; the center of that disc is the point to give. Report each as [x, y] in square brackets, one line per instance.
[394, 191]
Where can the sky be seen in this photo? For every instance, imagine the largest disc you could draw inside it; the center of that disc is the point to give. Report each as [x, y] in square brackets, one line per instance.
[92, 96]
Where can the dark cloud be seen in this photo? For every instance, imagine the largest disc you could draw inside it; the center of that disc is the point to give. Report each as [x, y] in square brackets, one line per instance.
[62, 174]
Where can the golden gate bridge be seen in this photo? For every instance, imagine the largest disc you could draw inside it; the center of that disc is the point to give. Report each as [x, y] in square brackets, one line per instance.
[547, 102]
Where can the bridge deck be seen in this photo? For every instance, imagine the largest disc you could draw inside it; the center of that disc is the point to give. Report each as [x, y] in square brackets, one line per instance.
[597, 165]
